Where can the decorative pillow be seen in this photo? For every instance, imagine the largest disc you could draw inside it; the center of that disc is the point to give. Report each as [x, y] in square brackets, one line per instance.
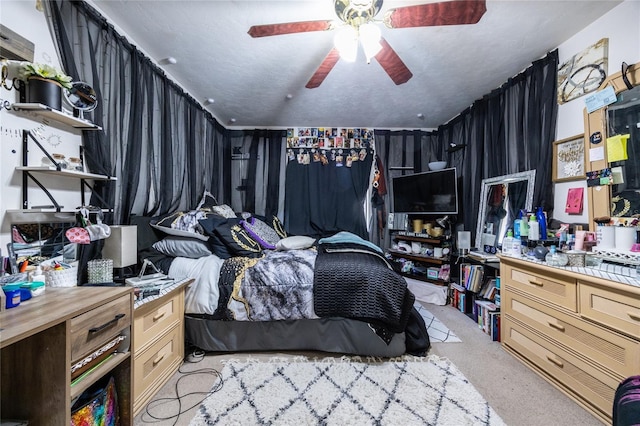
[182, 224]
[224, 211]
[237, 239]
[207, 202]
[209, 226]
[183, 247]
[266, 236]
[296, 242]
[274, 222]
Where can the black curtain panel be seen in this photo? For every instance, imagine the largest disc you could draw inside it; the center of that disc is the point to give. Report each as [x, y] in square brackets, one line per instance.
[510, 130]
[162, 146]
[326, 196]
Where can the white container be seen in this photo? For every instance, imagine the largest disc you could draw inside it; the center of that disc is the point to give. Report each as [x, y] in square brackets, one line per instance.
[606, 237]
[62, 278]
[625, 237]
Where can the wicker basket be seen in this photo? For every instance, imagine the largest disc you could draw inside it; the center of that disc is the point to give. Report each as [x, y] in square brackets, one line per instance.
[61, 278]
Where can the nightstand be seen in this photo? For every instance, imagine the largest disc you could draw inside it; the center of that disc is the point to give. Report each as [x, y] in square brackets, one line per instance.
[158, 341]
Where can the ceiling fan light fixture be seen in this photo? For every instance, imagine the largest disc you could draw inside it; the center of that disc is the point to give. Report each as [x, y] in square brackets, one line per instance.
[370, 38]
[346, 41]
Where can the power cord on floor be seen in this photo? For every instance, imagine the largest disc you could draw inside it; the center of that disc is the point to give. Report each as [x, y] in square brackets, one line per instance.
[194, 356]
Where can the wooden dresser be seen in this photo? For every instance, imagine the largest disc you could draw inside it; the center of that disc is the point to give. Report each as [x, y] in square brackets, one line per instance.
[42, 337]
[158, 342]
[578, 331]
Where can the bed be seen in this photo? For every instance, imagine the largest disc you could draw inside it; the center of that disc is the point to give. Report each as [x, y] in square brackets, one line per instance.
[257, 289]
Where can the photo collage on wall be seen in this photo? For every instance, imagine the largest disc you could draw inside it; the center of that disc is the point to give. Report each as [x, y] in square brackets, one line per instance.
[327, 145]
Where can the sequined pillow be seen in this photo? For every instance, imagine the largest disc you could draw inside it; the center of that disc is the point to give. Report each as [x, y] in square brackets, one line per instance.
[182, 224]
[265, 235]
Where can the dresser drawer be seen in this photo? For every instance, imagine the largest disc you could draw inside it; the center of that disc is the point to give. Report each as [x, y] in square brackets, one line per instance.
[615, 309]
[154, 366]
[95, 328]
[590, 385]
[154, 318]
[615, 352]
[551, 286]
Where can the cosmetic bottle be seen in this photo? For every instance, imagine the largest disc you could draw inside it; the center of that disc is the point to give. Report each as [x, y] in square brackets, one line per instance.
[534, 228]
[542, 223]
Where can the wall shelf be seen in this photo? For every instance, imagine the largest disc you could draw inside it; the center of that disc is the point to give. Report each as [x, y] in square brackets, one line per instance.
[49, 113]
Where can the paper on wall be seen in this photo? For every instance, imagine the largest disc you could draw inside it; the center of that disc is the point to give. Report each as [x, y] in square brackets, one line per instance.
[617, 148]
[596, 154]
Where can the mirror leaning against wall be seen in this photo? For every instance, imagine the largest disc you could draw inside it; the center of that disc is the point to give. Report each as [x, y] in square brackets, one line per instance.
[501, 198]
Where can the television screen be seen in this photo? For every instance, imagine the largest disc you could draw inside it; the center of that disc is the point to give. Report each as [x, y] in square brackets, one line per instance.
[434, 192]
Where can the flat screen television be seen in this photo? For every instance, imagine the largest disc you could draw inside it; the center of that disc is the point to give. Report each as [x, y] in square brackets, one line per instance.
[428, 193]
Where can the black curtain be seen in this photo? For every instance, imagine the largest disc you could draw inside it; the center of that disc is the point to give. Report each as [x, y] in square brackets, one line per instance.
[322, 198]
[510, 130]
[164, 149]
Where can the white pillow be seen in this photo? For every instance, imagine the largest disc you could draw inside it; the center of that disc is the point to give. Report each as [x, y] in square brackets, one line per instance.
[182, 247]
[297, 242]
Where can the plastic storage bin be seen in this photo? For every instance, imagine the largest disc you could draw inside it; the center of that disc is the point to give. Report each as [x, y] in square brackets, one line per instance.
[12, 292]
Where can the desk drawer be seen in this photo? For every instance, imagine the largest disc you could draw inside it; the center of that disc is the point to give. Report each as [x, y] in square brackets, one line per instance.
[154, 366]
[591, 385]
[95, 328]
[153, 319]
[615, 309]
[553, 287]
[613, 351]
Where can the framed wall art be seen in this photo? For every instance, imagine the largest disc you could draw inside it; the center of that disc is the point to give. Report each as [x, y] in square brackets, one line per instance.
[569, 159]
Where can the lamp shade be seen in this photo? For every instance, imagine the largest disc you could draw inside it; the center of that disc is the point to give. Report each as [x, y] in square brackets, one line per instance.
[122, 246]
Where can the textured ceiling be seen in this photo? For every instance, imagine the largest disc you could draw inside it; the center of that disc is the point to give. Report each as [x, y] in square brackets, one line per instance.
[250, 78]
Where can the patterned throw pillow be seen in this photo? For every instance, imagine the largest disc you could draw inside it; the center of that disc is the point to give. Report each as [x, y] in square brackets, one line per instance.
[182, 224]
[237, 239]
[224, 211]
[265, 235]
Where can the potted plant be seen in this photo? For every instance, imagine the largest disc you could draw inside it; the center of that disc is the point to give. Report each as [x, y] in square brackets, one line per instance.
[44, 84]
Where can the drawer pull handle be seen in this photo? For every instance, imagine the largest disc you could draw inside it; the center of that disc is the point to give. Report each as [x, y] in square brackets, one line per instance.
[535, 283]
[106, 324]
[633, 316]
[157, 360]
[555, 361]
[157, 317]
[556, 326]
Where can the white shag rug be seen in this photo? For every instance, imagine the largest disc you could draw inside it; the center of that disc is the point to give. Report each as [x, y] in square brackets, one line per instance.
[345, 391]
[438, 332]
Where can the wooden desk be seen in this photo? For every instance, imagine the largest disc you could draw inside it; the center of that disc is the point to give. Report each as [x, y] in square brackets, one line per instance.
[42, 337]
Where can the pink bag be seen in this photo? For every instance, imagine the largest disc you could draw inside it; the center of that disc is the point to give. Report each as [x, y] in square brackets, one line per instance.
[574, 201]
[78, 235]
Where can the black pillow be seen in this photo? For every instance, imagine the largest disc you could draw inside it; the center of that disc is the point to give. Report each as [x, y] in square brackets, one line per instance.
[218, 247]
[237, 239]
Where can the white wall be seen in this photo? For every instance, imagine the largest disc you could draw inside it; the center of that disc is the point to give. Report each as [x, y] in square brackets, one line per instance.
[22, 17]
[620, 25]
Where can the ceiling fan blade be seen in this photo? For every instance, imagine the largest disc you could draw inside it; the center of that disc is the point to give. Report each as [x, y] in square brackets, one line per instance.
[288, 28]
[457, 12]
[392, 64]
[324, 69]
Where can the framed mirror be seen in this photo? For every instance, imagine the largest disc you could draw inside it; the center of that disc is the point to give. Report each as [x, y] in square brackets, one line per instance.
[43, 241]
[501, 198]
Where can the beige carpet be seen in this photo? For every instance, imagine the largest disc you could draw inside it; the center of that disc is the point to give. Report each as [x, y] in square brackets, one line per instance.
[519, 396]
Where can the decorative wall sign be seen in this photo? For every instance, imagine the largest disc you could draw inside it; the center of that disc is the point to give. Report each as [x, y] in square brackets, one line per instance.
[583, 72]
[569, 159]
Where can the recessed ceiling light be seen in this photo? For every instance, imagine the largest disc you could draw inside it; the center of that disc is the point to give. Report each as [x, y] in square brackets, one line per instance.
[209, 101]
[420, 115]
[289, 96]
[232, 120]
